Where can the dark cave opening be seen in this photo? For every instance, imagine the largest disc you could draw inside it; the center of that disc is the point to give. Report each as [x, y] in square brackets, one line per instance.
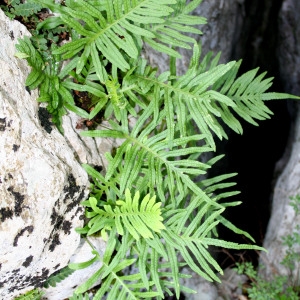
[254, 154]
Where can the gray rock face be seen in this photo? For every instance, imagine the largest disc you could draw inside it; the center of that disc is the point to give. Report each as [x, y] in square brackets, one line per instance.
[283, 220]
[289, 45]
[41, 183]
[65, 288]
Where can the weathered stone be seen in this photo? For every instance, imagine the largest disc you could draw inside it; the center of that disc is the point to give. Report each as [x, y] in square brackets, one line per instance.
[65, 288]
[87, 150]
[289, 46]
[41, 183]
[283, 220]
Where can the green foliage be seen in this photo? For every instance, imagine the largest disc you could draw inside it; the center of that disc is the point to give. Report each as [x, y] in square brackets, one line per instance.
[149, 204]
[138, 217]
[188, 232]
[281, 287]
[31, 295]
[58, 277]
[15, 8]
[80, 297]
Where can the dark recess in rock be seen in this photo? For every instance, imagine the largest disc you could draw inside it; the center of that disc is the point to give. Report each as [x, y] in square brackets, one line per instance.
[98, 168]
[254, 154]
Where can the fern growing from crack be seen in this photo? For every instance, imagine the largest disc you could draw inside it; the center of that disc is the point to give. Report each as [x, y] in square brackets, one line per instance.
[149, 205]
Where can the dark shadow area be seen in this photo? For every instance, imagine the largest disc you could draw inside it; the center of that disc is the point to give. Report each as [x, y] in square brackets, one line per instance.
[254, 154]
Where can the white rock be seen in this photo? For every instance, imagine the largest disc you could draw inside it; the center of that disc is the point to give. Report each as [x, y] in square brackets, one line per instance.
[65, 288]
[87, 150]
[41, 183]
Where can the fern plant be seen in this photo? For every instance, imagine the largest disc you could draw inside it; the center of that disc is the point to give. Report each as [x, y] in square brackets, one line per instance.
[149, 205]
[15, 8]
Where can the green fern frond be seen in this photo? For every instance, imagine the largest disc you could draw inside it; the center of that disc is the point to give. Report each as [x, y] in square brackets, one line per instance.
[151, 158]
[168, 34]
[189, 229]
[80, 297]
[206, 94]
[140, 218]
[110, 33]
[194, 237]
[58, 277]
[44, 75]
[26, 9]
[31, 295]
[113, 280]
[190, 97]
[113, 29]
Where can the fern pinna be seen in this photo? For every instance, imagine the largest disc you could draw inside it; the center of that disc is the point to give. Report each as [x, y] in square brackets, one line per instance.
[149, 205]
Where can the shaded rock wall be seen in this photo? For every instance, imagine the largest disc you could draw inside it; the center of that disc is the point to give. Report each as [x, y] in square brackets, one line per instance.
[283, 220]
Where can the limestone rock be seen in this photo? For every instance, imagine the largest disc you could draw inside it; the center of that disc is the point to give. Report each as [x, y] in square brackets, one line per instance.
[41, 183]
[87, 150]
[65, 288]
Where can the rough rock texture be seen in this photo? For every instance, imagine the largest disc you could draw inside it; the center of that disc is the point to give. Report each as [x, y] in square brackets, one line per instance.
[41, 183]
[289, 45]
[283, 220]
[65, 288]
[86, 150]
[224, 20]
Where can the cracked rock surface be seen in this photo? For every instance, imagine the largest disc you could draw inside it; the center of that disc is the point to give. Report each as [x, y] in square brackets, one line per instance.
[41, 183]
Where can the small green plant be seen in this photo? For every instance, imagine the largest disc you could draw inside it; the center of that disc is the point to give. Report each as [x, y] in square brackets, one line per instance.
[35, 294]
[282, 287]
[58, 277]
[148, 205]
[18, 8]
